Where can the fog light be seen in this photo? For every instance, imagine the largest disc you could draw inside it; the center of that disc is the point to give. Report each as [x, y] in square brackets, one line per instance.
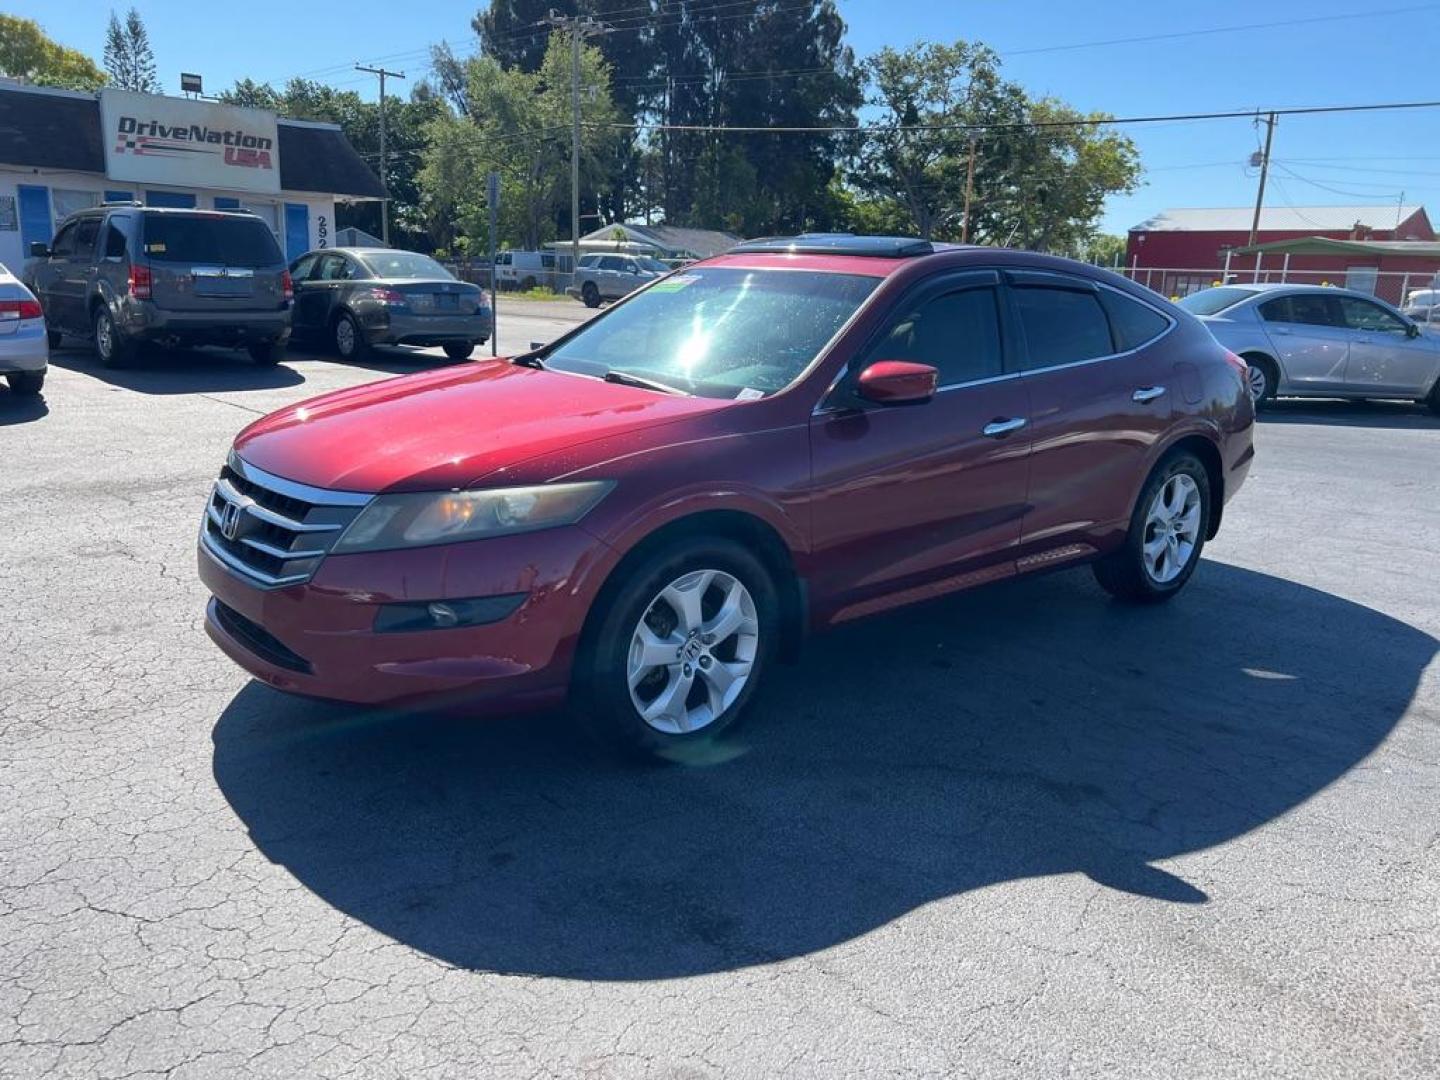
[445, 614]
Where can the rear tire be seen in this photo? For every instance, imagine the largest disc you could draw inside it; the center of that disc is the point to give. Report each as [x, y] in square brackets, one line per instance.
[459, 350]
[26, 383]
[54, 338]
[590, 295]
[1166, 535]
[348, 338]
[266, 353]
[724, 629]
[112, 347]
[1263, 378]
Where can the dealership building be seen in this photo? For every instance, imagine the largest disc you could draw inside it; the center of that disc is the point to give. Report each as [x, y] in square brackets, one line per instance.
[61, 151]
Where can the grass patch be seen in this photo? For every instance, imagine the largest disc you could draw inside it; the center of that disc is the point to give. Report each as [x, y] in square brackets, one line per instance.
[536, 293]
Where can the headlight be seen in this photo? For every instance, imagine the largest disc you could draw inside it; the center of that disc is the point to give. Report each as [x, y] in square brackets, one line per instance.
[447, 517]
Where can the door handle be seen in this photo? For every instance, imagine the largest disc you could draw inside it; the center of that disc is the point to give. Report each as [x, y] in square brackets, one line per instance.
[1147, 393]
[998, 429]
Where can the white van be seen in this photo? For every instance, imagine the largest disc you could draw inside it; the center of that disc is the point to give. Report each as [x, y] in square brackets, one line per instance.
[525, 269]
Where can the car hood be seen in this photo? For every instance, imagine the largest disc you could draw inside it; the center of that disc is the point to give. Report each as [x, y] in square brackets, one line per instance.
[450, 428]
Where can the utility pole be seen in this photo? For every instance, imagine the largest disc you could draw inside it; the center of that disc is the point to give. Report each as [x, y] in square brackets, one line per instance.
[384, 170]
[578, 29]
[969, 191]
[1270, 121]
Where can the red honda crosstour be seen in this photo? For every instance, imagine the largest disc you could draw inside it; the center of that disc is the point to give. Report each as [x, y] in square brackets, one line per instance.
[645, 514]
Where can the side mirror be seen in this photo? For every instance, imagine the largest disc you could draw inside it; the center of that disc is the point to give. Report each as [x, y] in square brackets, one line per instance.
[39, 250]
[897, 382]
[1412, 330]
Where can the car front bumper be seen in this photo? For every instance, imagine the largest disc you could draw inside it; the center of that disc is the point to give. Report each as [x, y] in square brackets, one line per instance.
[319, 638]
[24, 348]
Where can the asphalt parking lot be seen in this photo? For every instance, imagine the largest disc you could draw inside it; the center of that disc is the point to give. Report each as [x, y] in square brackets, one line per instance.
[1023, 832]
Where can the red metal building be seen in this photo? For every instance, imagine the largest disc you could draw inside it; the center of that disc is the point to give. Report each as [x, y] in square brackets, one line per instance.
[1394, 248]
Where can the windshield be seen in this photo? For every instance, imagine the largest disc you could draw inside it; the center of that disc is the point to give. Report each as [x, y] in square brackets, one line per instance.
[225, 241]
[647, 263]
[405, 264]
[718, 331]
[1214, 301]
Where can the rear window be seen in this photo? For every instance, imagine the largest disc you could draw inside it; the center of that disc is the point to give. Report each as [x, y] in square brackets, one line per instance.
[1213, 301]
[1062, 326]
[405, 264]
[225, 241]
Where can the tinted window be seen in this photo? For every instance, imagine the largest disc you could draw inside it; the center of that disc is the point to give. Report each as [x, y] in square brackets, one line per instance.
[1307, 309]
[655, 265]
[86, 232]
[547, 261]
[1213, 301]
[405, 264]
[589, 262]
[1363, 315]
[303, 267]
[717, 330]
[64, 242]
[958, 334]
[114, 241]
[610, 262]
[1134, 323]
[1062, 326]
[215, 240]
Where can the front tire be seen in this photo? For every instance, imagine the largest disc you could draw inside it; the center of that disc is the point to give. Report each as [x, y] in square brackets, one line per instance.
[26, 383]
[459, 350]
[111, 346]
[671, 661]
[349, 339]
[1166, 535]
[590, 295]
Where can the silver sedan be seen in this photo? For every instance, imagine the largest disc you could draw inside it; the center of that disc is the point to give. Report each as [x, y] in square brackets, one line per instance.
[1316, 341]
[24, 343]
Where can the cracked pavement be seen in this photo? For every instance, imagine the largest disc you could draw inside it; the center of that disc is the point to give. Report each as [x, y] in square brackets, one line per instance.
[1022, 832]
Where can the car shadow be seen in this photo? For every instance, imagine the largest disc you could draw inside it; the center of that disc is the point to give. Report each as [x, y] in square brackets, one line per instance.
[390, 360]
[20, 409]
[1343, 413]
[1034, 729]
[180, 371]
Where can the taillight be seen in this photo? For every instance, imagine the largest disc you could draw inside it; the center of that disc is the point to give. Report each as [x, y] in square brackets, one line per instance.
[141, 281]
[1235, 362]
[387, 296]
[20, 309]
[287, 286]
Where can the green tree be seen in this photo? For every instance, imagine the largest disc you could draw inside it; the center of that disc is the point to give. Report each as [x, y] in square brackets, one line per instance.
[1042, 170]
[27, 53]
[1105, 249]
[128, 56]
[519, 126]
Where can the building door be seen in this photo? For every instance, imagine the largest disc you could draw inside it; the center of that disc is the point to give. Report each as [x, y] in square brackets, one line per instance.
[35, 224]
[297, 230]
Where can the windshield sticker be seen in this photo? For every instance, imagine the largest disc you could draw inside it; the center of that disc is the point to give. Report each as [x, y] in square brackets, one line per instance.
[749, 394]
[675, 284]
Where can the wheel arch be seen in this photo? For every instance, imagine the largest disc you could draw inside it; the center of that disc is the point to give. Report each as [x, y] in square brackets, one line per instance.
[1264, 356]
[756, 534]
[1205, 449]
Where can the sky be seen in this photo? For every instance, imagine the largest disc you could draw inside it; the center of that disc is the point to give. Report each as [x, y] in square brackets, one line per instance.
[1217, 56]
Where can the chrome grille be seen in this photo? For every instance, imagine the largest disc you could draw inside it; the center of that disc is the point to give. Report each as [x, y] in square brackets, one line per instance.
[272, 530]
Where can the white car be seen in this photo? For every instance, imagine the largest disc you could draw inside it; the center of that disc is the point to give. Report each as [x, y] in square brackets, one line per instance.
[24, 341]
[1316, 341]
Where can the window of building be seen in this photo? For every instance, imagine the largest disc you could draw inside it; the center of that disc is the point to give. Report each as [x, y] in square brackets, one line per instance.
[957, 333]
[1062, 326]
[68, 201]
[1362, 278]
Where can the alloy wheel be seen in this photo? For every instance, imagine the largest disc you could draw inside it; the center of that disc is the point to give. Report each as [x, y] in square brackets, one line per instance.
[1172, 529]
[104, 336]
[1258, 380]
[693, 651]
[345, 337]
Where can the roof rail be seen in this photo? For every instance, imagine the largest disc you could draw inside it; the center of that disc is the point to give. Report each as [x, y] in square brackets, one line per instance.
[883, 247]
[122, 202]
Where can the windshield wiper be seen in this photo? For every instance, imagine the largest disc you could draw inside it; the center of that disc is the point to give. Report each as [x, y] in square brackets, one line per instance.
[626, 379]
[531, 360]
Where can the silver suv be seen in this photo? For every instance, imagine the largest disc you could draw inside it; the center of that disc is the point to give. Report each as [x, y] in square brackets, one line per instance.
[126, 274]
[609, 277]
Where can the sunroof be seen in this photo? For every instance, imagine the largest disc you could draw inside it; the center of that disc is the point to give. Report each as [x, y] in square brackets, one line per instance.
[884, 247]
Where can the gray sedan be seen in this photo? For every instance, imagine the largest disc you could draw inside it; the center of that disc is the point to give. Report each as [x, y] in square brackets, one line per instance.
[353, 298]
[24, 343]
[1316, 341]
